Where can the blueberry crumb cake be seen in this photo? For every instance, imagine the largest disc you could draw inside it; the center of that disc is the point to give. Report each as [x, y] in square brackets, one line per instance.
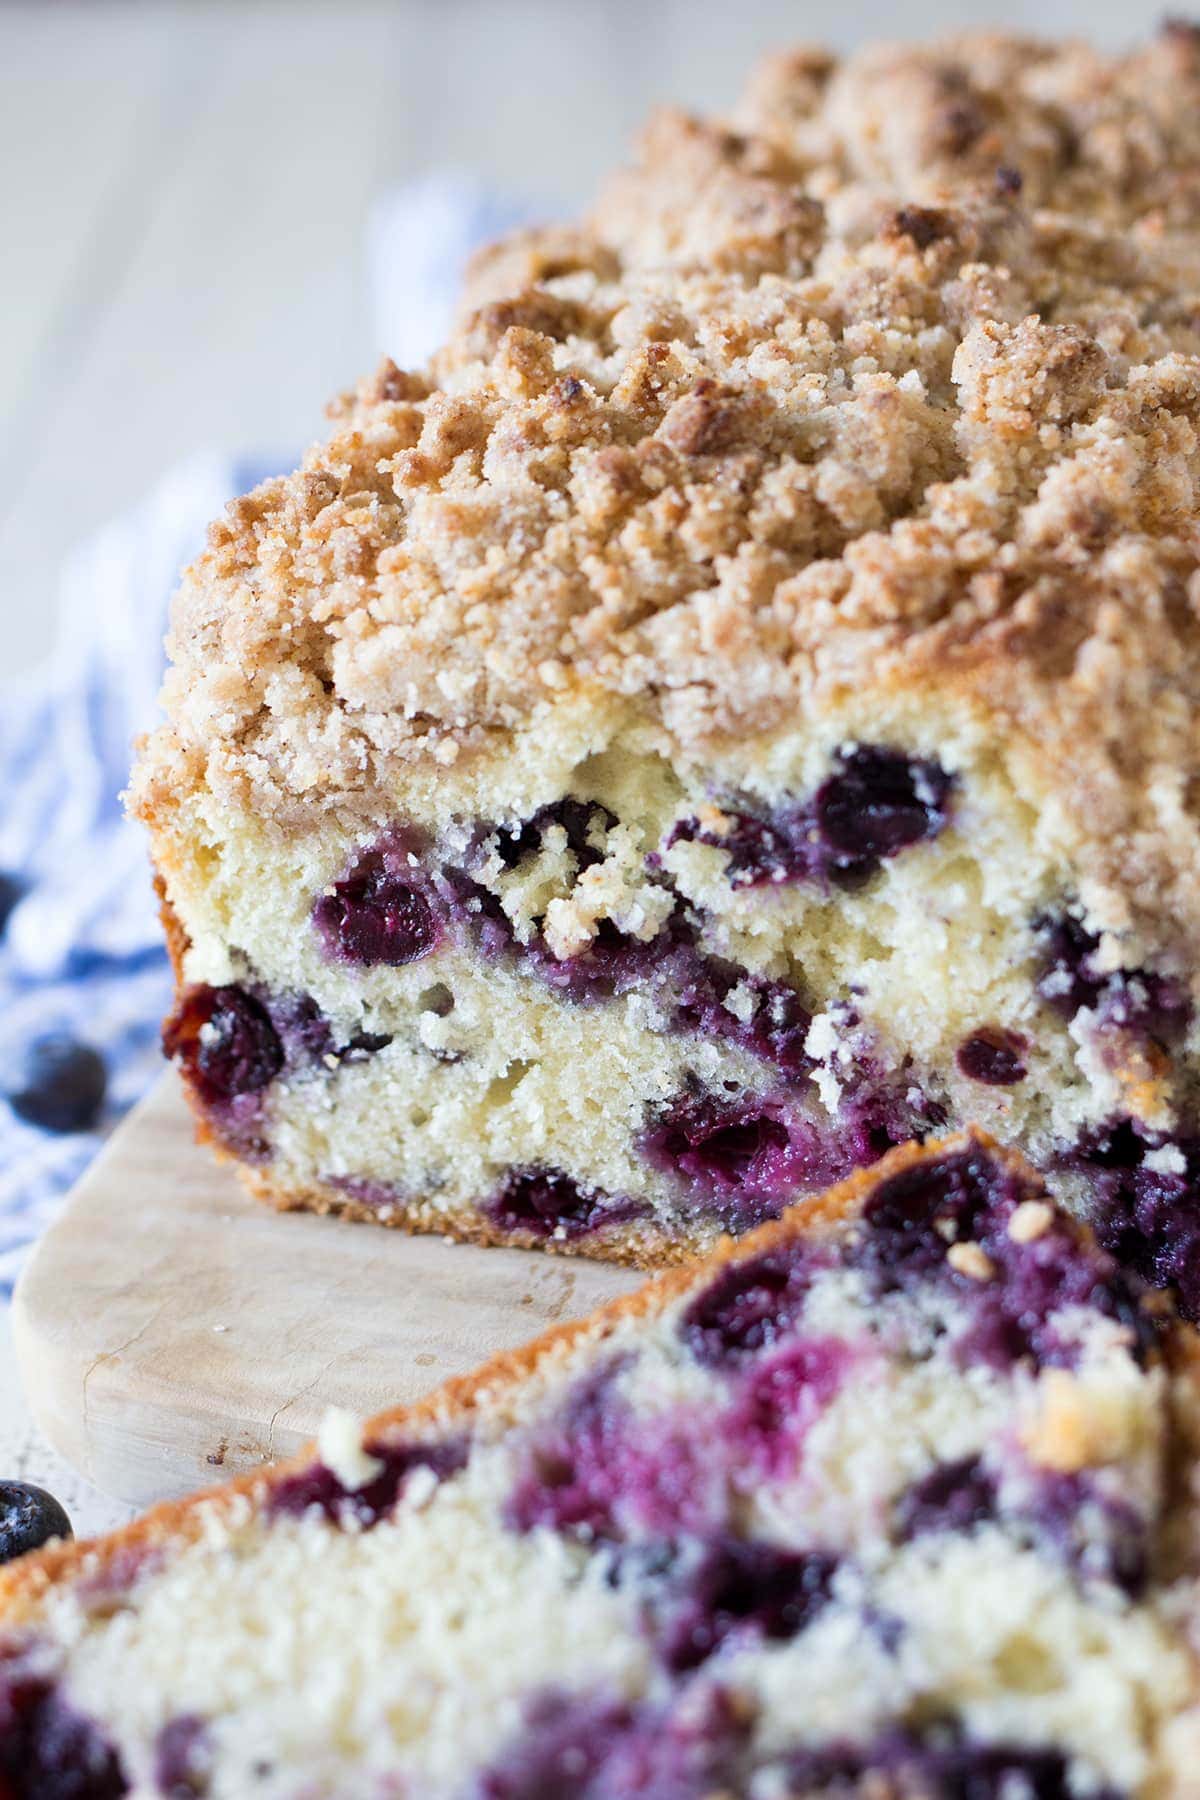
[737, 709]
[894, 1499]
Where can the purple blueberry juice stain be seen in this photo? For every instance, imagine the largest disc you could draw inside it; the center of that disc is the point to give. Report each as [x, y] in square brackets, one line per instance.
[750, 1304]
[744, 1161]
[1102, 1537]
[596, 1471]
[740, 1589]
[1148, 1217]
[741, 1161]
[780, 1399]
[48, 1751]
[317, 1488]
[767, 1018]
[1140, 1001]
[941, 1763]
[1099, 1537]
[305, 1034]
[876, 802]
[953, 1497]
[382, 910]
[581, 821]
[690, 987]
[232, 1042]
[912, 1218]
[596, 1747]
[183, 1758]
[613, 961]
[548, 1202]
[379, 1196]
[994, 1056]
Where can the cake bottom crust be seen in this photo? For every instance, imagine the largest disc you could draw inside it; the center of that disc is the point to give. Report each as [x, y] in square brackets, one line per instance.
[641, 1245]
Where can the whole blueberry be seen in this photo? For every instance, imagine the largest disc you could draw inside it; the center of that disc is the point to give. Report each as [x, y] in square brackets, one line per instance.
[29, 1517]
[59, 1084]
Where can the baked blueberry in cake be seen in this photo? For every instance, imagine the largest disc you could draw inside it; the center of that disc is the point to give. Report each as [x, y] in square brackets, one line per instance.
[736, 709]
[892, 1499]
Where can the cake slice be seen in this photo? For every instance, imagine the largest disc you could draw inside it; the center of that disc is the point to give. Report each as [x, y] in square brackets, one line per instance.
[737, 708]
[893, 1499]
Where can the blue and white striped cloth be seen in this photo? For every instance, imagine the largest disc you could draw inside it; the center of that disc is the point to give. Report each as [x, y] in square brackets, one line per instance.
[83, 950]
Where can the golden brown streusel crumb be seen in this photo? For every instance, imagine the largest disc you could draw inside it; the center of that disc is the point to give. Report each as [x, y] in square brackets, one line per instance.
[894, 380]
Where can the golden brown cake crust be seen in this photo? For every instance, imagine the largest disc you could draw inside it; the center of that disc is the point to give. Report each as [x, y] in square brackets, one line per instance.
[894, 383]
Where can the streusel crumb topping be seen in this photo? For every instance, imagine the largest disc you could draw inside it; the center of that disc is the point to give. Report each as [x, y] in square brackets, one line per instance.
[894, 380]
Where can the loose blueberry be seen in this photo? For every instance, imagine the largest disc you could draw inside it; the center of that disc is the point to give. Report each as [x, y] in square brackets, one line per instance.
[29, 1517]
[223, 1039]
[743, 1587]
[380, 912]
[993, 1056]
[59, 1085]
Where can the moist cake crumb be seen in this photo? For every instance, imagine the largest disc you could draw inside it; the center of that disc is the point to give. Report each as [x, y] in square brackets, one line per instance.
[751, 677]
[805, 1518]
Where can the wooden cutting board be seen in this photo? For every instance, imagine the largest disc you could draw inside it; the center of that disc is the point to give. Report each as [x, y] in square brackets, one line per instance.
[170, 1330]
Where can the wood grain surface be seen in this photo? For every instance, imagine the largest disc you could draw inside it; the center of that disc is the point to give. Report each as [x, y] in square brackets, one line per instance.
[171, 1330]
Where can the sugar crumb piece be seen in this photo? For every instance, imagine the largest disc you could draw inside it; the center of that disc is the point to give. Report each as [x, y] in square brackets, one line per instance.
[1030, 1220]
[420, 1486]
[340, 1448]
[1079, 1424]
[1168, 1159]
[971, 1259]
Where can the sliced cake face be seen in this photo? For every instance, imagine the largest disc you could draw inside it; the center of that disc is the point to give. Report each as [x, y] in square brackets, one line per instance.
[890, 1503]
[585, 995]
[737, 708]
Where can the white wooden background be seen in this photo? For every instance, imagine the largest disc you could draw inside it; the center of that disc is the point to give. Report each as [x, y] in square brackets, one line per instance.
[183, 191]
